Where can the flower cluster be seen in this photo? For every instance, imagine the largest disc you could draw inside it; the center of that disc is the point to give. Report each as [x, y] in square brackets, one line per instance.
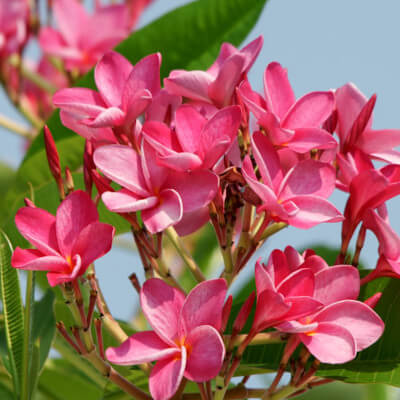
[205, 147]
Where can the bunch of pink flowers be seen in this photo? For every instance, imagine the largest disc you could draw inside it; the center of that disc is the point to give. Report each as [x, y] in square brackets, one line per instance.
[207, 148]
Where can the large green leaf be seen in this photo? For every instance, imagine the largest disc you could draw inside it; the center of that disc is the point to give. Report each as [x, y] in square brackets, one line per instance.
[188, 37]
[13, 312]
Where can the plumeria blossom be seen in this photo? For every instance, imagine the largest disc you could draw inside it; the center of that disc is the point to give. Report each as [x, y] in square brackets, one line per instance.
[78, 41]
[297, 197]
[64, 244]
[195, 143]
[217, 85]
[291, 286]
[162, 194]
[185, 341]
[125, 91]
[336, 333]
[291, 124]
[355, 131]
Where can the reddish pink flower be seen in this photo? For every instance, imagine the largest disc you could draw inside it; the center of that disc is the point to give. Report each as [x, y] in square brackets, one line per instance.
[287, 122]
[297, 197]
[188, 147]
[64, 244]
[80, 42]
[185, 341]
[355, 127]
[217, 84]
[125, 91]
[163, 195]
[335, 334]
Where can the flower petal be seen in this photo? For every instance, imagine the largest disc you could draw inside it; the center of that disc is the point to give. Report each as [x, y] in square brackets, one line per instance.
[31, 259]
[126, 201]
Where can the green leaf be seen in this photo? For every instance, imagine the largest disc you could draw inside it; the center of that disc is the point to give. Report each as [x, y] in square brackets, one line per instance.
[13, 312]
[188, 37]
[7, 175]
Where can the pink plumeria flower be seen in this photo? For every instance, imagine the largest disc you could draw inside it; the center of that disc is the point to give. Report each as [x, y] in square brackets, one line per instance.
[185, 341]
[79, 42]
[355, 131]
[162, 194]
[216, 85]
[125, 92]
[290, 123]
[336, 333]
[195, 143]
[297, 197]
[64, 244]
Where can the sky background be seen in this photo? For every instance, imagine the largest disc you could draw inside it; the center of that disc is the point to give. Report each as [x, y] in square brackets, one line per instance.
[323, 44]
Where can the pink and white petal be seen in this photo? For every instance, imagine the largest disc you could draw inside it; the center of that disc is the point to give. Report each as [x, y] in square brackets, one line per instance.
[89, 249]
[298, 283]
[192, 221]
[310, 111]
[141, 347]
[81, 101]
[306, 139]
[166, 377]
[126, 201]
[221, 90]
[191, 84]
[375, 141]
[360, 320]
[196, 188]
[336, 283]
[110, 75]
[122, 164]
[71, 19]
[75, 213]
[110, 117]
[207, 352]
[161, 305]
[330, 344]
[297, 327]
[31, 259]
[167, 212]
[203, 305]
[263, 279]
[313, 210]
[308, 177]
[189, 125]
[39, 228]
[279, 94]
[389, 156]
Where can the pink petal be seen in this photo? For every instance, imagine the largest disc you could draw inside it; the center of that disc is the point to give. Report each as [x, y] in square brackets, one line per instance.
[122, 165]
[301, 306]
[278, 91]
[263, 279]
[191, 84]
[251, 51]
[307, 139]
[161, 305]
[81, 101]
[125, 201]
[299, 283]
[336, 283]
[312, 211]
[39, 228]
[375, 141]
[192, 221]
[31, 259]
[203, 305]
[154, 174]
[141, 347]
[221, 90]
[111, 74]
[308, 177]
[310, 111]
[90, 249]
[196, 188]
[134, 104]
[110, 117]
[75, 213]
[74, 270]
[181, 162]
[297, 327]
[330, 343]
[189, 124]
[167, 212]
[166, 377]
[360, 320]
[206, 354]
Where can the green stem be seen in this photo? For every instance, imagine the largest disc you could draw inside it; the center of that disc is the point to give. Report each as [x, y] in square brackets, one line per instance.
[15, 127]
[272, 229]
[280, 394]
[260, 338]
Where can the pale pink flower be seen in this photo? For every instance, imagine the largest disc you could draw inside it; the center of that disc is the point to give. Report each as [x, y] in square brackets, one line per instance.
[161, 194]
[216, 85]
[287, 122]
[185, 341]
[81, 39]
[64, 244]
[297, 197]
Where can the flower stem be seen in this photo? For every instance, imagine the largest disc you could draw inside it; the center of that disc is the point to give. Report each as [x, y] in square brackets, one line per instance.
[16, 127]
